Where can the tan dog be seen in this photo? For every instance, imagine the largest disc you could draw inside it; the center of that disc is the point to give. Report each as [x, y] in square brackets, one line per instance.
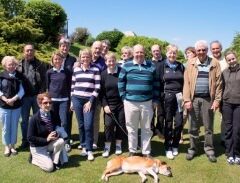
[138, 164]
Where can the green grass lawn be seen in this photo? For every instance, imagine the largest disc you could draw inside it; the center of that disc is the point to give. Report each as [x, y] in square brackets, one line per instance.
[199, 170]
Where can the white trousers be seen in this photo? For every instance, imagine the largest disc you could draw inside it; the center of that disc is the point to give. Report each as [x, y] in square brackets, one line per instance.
[139, 113]
[45, 156]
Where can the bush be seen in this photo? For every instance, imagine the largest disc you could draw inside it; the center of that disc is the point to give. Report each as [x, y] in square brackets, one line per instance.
[114, 37]
[80, 35]
[145, 41]
[90, 40]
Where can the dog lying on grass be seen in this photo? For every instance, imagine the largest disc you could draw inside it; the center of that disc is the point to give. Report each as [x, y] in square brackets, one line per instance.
[136, 164]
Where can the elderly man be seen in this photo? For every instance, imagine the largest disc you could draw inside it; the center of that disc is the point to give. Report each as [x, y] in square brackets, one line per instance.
[68, 64]
[158, 129]
[216, 49]
[202, 95]
[99, 62]
[139, 89]
[106, 45]
[34, 71]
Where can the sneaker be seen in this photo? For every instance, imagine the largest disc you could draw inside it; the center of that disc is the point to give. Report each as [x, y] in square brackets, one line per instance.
[13, 151]
[105, 153]
[237, 161]
[169, 155]
[118, 150]
[7, 151]
[68, 147]
[175, 151]
[90, 156]
[84, 152]
[230, 160]
[79, 147]
[94, 146]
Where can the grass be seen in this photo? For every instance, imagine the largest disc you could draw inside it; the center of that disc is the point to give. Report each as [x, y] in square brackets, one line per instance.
[199, 170]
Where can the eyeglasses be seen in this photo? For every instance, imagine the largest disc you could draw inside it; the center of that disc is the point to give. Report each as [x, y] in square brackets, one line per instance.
[48, 102]
[201, 50]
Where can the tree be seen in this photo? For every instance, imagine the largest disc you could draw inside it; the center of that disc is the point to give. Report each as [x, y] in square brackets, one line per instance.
[114, 37]
[12, 7]
[80, 35]
[50, 17]
[236, 44]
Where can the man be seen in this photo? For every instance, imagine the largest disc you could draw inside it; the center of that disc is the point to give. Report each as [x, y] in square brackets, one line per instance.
[202, 95]
[139, 89]
[216, 49]
[99, 62]
[105, 47]
[68, 63]
[158, 129]
[34, 71]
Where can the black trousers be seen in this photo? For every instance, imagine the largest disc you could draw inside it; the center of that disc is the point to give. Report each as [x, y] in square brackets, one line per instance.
[159, 113]
[231, 120]
[114, 125]
[172, 133]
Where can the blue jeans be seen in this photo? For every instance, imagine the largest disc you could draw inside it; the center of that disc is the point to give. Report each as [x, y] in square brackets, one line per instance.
[61, 108]
[27, 104]
[85, 122]
[9, 118]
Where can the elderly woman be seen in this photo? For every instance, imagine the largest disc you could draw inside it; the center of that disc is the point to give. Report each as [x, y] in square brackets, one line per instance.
[171, 78]
[11, 92]
[231, 108]
[84, 91]
[127, 55]
[114, 118]
[44, 137]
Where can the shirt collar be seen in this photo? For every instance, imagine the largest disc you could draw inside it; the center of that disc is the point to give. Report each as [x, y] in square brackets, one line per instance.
[136, 63]
[58, 70]
[115, 71]
[12, 74]
[205, 63]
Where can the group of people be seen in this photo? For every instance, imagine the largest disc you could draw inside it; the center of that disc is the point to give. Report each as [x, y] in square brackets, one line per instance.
[158, 96]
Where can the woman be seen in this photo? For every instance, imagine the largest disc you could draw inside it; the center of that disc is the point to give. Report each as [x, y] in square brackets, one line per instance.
[85, 89]
[190, 53]
[114, 118]
[231, 108]
[171, 78]
[127, 55]
[11, 93]
[46, 145]
[58, 82]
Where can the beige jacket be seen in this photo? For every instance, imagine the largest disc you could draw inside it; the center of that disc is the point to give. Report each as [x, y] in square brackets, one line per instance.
[215, 80]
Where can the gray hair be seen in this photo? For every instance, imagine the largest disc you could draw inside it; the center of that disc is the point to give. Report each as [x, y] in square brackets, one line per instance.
[64, 41]
[7, 59]
[201, 43]
[216, 41]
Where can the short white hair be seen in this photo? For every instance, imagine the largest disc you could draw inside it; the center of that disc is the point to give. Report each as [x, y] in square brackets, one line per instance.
[201, 43]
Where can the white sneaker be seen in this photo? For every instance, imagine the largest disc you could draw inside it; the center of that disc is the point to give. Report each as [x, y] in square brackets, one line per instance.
[94, 146]
[90, 156]
[84, 152]
[118, 150]
[105, 153]
[169, 155]
[175, 151]
[79, 147]
[68, 147]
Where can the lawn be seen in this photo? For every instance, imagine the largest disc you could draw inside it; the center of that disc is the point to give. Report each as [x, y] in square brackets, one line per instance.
[199, 170]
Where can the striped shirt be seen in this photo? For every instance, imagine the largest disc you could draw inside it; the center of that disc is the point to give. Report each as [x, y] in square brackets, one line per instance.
[138, 82]
[202, 83]
[86, 84]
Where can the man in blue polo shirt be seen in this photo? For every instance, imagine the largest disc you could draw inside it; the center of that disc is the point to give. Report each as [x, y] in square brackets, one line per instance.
[139, 89]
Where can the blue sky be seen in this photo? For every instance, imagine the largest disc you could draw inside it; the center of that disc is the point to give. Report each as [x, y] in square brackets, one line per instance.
[180, 22]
